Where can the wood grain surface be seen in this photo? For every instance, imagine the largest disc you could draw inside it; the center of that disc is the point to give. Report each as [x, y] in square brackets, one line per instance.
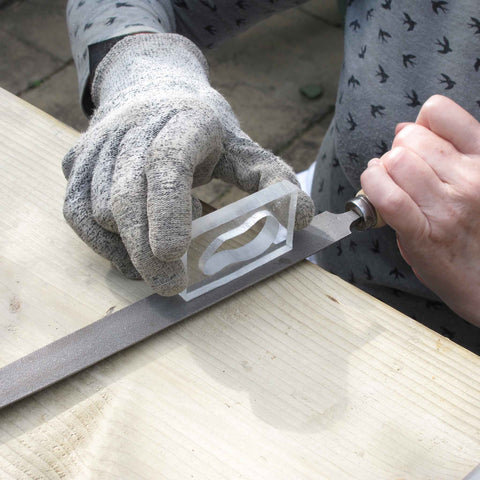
[300, 377]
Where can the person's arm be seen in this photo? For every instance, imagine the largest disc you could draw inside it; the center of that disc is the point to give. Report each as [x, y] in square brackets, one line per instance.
[427, 188]
[95, 27]
[158, 129]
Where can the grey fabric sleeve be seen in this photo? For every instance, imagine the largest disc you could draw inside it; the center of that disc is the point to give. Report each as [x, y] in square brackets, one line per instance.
[94, 26]
[91, 22]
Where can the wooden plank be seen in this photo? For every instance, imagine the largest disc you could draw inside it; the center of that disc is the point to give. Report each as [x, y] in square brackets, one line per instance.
[303, 376]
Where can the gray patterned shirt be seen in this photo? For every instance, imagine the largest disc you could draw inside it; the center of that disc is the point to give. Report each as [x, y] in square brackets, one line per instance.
[397, 54]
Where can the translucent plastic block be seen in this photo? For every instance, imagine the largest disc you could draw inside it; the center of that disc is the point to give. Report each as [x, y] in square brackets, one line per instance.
[235, 239]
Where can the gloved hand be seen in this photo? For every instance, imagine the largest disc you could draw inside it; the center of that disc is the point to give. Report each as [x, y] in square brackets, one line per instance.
[159, 130]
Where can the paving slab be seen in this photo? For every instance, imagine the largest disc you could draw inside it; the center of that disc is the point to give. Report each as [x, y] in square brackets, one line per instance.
[261, 71]
[40, 23]
[22, 64]
[328, 11]
[59, 97]
[302, 152]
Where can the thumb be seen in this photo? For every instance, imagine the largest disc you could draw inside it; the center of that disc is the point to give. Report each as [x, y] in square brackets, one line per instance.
[251, 168]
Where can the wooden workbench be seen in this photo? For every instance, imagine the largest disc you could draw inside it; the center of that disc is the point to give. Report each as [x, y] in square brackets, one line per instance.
[301, 377]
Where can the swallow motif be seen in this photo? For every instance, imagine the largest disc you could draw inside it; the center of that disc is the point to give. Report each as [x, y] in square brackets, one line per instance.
[352, 81]
[475, 24]
[353, 157]
[382, 74]
[351, 122]
[383, 35]
[408, 60]
[407, 20]
[211, 29]
[368, 274]
[377, 110]
[381, 148]
[413, 97]
[445, 45]
[354, 25]
[396, 273]
[439, 5]
[209, 4]
[447, 81]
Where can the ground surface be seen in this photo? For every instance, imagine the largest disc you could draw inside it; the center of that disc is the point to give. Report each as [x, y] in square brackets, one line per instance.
[260, 72]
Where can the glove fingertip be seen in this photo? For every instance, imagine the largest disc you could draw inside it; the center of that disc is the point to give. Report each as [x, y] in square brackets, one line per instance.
[171, 281]
[67, 163]
[305, 211]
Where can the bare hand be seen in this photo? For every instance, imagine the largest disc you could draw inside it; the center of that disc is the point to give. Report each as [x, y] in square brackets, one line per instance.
[427, 188]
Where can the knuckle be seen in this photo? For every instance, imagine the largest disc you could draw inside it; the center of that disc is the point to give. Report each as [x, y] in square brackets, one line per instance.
[404, 136]
[434, 104]
[394, 158]
[205, 112]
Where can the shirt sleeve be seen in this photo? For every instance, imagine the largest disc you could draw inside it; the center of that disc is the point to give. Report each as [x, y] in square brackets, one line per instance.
[94, 26]
[91, 22]
[208, 22]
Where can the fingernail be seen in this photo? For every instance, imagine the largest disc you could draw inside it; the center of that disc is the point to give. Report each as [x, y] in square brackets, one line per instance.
[373, 161]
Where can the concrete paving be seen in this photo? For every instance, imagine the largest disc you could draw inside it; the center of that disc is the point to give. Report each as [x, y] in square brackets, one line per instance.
[40, 24]
[23, 65]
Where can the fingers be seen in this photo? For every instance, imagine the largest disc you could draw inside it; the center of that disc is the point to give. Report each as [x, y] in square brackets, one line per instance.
[102, 181]
[394, 204]
[251, 168]
[190, 143]
[436, 151]
[400, 126]
[78, 213]
[68, 161]
[197, 208]
[129, 206]
[448, 120]
[413, 175]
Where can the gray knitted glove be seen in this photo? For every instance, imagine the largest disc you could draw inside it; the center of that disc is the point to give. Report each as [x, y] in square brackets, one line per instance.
[159, 130]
